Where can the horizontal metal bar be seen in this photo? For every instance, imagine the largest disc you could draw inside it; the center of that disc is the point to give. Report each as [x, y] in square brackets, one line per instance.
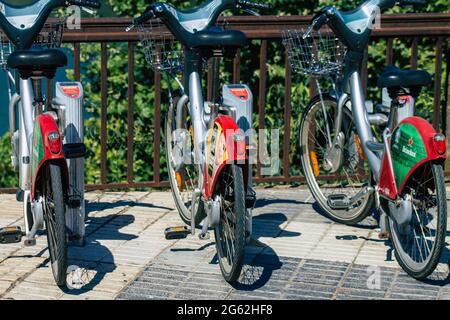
[265, 27]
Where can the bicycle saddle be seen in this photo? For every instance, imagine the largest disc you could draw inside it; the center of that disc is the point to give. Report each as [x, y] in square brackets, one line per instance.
[37, 62]
[195, 28]
[395, 77]
[217, 37]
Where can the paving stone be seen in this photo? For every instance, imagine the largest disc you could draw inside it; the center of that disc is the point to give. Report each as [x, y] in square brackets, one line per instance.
[296, 253]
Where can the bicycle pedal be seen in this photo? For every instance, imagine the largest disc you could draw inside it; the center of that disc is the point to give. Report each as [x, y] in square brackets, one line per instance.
[173, 233]
[10, 235]
[29, 242]
[338, 201]
[250, 200]
[74, 202]
[204, 236]
[20, 195]
[384, 235]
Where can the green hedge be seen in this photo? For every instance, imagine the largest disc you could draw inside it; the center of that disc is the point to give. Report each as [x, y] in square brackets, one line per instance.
[144, 93]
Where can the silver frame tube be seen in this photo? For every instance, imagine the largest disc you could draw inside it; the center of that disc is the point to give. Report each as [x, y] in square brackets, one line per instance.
[13, 101]
[26, 120]
[196, 106]
[362, 123]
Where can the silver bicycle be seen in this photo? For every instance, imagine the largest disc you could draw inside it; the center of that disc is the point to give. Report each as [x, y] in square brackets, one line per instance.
[206, 142]
[348, 170]
[47, 139]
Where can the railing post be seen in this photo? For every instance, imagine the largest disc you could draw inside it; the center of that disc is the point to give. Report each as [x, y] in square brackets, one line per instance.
[130, 138]
[157, 124]
[437, 86]
[237, 67]
[447, 106]
[413, 60]
[287, 116]
[76, 61]
[262, 102]
[390, 51]
[103, 115]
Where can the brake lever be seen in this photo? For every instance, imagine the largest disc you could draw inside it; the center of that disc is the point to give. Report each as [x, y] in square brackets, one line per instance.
[251, 12]
[89, 11]
[308, 32]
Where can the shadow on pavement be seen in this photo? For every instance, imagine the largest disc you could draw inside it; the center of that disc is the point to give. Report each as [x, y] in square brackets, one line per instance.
[260, 203]
[88, 265]
[94, 205]
[361, 225]
[259, 270]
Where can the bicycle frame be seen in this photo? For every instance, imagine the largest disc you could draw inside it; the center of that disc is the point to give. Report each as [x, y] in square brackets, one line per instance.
[37, 143]
[379, 156]
[204, 126]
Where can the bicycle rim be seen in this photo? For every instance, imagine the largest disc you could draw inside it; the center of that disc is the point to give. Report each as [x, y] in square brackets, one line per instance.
[230, 234]
[419, 244]
[352, 176]
[184, 180]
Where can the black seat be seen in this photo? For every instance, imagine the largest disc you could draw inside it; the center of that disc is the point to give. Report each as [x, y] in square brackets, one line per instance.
[395, 77]
[195, 28]
[40, 63]
[218, 38]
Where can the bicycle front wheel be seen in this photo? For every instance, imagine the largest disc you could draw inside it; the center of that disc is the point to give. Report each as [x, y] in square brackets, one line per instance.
[352, 174]
[418, 244]
[183, 171]
[230, 234]
[55, 221]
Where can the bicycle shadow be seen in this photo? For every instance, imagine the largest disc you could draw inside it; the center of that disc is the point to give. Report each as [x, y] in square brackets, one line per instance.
[98, 205]
[90, 264]
[437, 278]
[261, 260]
[261, 203]
[362, 225]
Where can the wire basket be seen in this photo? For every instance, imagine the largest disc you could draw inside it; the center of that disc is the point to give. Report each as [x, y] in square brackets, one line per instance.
[317, 54]
[6, 49]
[51, 35]
[162, 51]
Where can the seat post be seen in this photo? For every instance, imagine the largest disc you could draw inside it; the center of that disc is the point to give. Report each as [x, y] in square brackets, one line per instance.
[37, 88]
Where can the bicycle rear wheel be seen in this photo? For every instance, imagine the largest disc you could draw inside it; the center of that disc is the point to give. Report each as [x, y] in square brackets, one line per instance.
[352, 175]
[418, 244]
[182, 169]
[55, 221]
[230, 234]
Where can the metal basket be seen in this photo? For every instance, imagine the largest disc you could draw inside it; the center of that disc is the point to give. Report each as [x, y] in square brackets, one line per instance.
[6, 49]
[161, 49]
[51, 35]
[314, 53]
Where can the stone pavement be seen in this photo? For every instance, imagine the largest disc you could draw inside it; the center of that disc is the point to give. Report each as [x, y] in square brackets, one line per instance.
[296, 254]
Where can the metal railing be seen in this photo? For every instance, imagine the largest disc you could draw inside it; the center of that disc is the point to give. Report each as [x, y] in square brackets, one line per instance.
[415, 27]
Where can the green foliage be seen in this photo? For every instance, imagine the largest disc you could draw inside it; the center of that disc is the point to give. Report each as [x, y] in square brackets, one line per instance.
[8, 178]
[144, 99]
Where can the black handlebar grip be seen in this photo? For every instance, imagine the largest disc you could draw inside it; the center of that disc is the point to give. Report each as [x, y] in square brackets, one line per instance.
[254, 5]
[94, 4]
[413, 2]
[320, 21]
[144, 17]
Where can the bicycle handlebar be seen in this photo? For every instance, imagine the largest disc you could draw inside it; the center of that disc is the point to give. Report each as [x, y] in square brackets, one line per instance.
[413, 2]
[239, 4]
[253, 5]
[93, 4]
